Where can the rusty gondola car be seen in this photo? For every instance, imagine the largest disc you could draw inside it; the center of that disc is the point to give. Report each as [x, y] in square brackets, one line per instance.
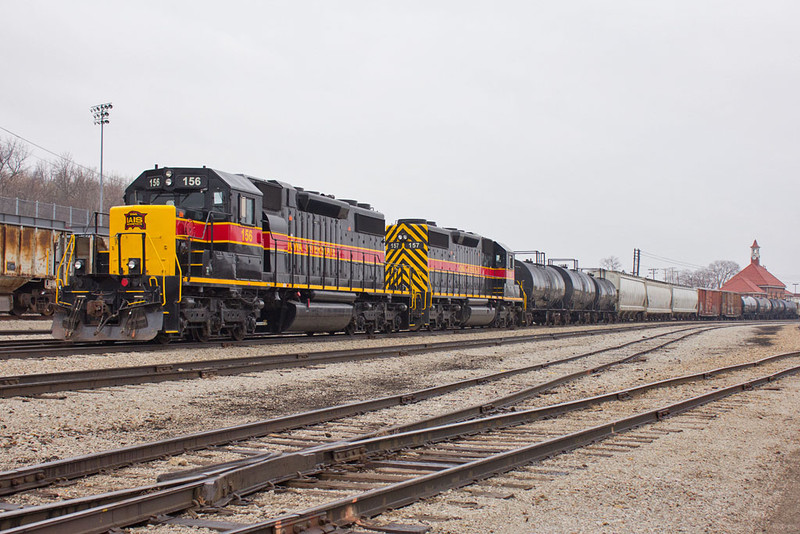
[29, 250]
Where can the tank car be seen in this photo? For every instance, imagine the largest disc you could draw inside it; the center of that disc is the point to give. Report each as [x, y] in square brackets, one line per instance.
[778, 308]
[764, 308]
[749, 307]
[543, 291]
[580, 295]
[200, 252]
[557, 295]
[606, 301]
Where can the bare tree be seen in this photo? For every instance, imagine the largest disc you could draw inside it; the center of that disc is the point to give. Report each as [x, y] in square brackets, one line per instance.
[62, 181]
[721, 271]
[12, 163]
[611, 263]
[713, 277]
[72, 184]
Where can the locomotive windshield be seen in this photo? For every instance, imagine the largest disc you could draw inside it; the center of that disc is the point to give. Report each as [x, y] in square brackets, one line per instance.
[194, 200]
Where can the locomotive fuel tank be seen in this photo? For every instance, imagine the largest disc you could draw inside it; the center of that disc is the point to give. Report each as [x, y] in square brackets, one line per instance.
[580, 291]
[543, 286]
[480, 313]
[316, 316]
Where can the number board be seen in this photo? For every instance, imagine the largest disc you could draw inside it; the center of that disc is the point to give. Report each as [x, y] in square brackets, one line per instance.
[194, 182]
[176, 182]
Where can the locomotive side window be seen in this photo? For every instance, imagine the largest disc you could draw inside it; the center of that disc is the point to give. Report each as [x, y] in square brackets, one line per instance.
[247, 210]
[219, 201]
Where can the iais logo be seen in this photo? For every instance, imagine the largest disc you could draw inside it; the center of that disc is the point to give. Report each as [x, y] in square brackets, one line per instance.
[135, 219]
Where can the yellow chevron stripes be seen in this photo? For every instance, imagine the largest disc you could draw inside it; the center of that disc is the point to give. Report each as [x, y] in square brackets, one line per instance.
[407, 257]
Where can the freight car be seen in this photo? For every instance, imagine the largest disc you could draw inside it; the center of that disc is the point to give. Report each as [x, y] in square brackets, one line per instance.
[201, 253]
[557, 295]
[29, 250]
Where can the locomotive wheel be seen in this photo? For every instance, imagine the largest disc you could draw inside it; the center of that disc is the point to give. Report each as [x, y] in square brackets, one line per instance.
[163, 338]
[201, 335]
[49, 309]
[237, 332]
[19, 310]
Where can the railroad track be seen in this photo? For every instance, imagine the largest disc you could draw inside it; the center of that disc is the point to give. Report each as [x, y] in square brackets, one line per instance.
[36, 384]
[365, 477]
[354, 446]
[39, 475]
[36, 348]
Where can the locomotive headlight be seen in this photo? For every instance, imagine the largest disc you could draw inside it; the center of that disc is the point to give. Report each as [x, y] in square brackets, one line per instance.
[78, 265]
[168, 182]
[168, 174]
[134, 266]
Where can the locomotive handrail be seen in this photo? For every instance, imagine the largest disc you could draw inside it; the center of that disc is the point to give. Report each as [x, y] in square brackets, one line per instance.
[180, 278]
[524, 296]
[146, 239]
[65, 267]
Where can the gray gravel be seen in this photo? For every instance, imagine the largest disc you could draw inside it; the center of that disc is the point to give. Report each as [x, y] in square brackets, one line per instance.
[695, 480]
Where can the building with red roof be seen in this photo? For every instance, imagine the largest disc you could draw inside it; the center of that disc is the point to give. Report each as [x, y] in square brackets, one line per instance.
[755, 279]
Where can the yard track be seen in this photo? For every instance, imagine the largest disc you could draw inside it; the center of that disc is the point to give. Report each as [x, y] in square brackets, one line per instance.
[216, 484]
[41, 383]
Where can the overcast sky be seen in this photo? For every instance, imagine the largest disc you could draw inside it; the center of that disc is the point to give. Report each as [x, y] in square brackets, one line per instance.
[583, 129]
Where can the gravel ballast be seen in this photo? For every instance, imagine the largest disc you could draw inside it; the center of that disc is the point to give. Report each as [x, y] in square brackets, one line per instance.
[733, 473]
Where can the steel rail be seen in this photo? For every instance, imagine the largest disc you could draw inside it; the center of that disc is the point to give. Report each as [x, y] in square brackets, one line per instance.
[251, 478]
[219, 488]
[351, 509]
[23, 332]
[36, 384]
[25, 349]
[39, 475]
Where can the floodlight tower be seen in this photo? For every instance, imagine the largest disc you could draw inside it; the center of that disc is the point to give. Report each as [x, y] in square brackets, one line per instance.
[100, 113]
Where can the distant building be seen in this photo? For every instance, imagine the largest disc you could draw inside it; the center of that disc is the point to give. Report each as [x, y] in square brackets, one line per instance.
[756, 279]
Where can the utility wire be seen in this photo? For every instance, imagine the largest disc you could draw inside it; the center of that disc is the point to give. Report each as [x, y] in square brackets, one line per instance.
[49, 151]
[669, 260]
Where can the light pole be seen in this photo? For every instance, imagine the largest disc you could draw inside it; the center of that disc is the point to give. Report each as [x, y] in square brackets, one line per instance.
[100, 113]
[795, 287]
